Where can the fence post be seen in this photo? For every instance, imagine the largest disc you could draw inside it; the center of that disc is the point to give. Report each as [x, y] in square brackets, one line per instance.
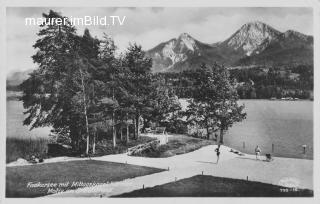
[272, 148]
[247, 178]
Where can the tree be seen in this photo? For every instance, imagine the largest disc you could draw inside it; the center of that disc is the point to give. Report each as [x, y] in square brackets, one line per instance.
[46, 91]
[58, 93]
[137, 83]
[109, 72]
[163, 104]
[215, 103]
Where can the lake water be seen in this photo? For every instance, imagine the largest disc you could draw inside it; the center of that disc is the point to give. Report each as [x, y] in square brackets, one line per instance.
[286, 124]
[15, 127]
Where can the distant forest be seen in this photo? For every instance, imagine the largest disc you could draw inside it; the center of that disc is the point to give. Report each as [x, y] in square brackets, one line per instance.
[255, 83]
[252, 83]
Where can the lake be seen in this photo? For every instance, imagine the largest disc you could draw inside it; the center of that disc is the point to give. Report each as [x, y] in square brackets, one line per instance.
[15, 127]
[286, 124]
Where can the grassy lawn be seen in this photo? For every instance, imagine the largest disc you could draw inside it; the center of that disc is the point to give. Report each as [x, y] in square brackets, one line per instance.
[177, 144]
[88, 171]
[210, 186]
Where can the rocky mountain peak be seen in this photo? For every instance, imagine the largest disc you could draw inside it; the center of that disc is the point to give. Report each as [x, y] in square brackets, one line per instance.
[253, 43]
[252, 37]
[186, 41]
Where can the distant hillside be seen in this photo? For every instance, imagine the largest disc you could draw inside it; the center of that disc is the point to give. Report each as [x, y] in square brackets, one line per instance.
[16, 78]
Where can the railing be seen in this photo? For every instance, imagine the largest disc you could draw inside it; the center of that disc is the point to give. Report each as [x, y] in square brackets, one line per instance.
[278, 149]
[141, 147]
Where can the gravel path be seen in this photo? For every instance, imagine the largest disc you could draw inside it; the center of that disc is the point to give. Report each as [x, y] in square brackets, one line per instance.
[281, 171]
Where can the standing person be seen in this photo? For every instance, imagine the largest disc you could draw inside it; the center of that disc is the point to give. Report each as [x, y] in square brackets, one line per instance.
[257, 151]
[218, 153]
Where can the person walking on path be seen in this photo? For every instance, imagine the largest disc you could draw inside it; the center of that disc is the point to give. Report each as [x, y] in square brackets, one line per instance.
[218, 153]
[257, 151]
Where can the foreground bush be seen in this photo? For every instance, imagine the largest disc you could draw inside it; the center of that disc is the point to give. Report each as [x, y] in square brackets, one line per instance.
[105, 147]
[25, 148]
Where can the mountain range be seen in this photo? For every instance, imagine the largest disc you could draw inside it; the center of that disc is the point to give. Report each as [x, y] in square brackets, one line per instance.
[255, 43]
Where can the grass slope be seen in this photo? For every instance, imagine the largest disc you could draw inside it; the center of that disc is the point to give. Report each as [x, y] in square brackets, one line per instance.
[86, 171]
[177, 144]
[209, 186]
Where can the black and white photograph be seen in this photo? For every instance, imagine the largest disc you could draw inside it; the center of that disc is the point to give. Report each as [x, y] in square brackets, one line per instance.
[158, 102]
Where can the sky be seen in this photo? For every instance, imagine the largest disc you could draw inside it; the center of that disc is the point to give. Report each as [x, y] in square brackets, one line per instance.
[151, 26]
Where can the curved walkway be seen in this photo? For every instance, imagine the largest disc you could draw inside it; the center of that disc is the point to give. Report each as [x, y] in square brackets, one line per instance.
[281, 171]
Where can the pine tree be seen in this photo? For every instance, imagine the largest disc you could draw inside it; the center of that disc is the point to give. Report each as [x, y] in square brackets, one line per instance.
[59, 92]
[47, 92]
[138, 82]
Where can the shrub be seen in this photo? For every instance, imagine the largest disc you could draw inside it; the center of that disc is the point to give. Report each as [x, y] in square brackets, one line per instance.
[25, 148]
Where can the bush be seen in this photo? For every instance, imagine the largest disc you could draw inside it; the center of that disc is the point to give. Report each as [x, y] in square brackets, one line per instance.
[178, 144]
[25, 148]
[177, 127]
[55, 150]
[105, 147]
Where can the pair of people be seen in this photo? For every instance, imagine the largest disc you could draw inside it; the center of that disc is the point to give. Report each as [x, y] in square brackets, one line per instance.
[257, 152]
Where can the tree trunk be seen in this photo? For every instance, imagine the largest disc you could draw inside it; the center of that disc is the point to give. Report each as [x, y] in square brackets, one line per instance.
[208, 134]
[114, 134]
[114, 137]
[94, 142]
[74, 138]
[127, 141]
[221, 136]
[85, 111]
[134, 132]
[121, 133]
[137, 126]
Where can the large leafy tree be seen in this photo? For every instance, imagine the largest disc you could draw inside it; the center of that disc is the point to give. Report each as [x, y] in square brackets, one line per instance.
[215, 104]
[164, 104]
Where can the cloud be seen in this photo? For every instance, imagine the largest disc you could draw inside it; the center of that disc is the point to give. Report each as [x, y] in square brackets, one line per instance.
[151, 26]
